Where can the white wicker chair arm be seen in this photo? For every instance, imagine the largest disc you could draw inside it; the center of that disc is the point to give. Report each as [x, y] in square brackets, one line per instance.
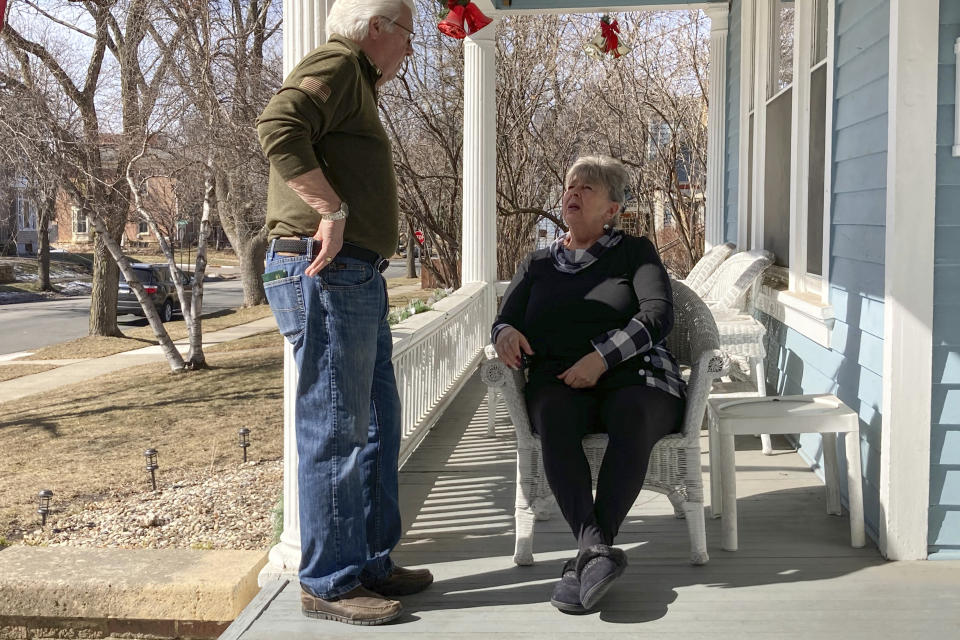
[495, 373]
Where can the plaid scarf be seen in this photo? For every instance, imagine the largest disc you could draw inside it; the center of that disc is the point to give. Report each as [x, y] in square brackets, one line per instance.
[574, 260]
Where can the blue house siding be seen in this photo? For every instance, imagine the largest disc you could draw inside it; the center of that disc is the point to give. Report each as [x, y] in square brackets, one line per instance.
[732, 155]
[853, 367]
[944, 521]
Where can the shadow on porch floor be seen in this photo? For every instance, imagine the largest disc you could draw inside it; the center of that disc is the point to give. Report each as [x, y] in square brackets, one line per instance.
[794, 576]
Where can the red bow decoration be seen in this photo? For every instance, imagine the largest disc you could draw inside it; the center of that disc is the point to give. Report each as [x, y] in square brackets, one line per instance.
[607, 41]
[462, 11]
[610, 30]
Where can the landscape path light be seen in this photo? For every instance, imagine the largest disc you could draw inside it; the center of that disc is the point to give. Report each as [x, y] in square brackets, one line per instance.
[43, 505]
[152, 466]
[244, 441]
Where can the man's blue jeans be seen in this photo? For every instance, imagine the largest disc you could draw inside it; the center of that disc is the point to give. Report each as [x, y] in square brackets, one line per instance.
[348, 419]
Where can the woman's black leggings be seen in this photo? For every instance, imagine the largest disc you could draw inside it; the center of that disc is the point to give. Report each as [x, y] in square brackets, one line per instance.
[633, 417]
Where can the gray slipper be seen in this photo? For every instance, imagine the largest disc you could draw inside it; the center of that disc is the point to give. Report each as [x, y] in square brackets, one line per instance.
[597, 567]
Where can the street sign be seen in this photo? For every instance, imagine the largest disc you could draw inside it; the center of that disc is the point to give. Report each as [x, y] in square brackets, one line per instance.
[419, 235]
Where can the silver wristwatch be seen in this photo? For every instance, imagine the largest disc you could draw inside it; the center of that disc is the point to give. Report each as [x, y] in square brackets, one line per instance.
[339, 214]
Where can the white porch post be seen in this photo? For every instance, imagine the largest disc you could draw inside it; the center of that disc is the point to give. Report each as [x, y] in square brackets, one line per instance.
[304, 22]
[479, 231]
[716, 125]
[908, 279]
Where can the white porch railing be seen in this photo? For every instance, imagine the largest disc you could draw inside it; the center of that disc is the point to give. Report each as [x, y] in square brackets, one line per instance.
[433, 355]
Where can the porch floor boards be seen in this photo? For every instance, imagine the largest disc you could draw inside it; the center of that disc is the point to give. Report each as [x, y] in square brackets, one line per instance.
[795, 575]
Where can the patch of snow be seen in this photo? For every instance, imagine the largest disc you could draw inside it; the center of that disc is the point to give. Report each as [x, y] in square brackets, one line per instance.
[75, 288]
[13, 356]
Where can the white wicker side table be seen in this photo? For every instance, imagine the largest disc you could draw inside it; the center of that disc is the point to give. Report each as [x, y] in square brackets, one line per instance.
[823, 414]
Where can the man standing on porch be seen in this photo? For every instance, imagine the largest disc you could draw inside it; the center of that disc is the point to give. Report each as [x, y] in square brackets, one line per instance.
[332, 213]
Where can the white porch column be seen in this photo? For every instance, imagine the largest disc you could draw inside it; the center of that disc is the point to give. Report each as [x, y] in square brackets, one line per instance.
[479, 232]
[908, 279]
[304, 22]
[716, 125]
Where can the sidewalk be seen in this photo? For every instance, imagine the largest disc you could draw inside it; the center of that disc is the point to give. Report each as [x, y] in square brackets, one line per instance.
[83, 370]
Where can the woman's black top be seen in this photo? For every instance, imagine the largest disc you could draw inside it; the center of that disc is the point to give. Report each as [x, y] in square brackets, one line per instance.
[562, 314]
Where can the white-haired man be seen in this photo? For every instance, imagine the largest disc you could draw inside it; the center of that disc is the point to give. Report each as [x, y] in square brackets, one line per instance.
[332, 213]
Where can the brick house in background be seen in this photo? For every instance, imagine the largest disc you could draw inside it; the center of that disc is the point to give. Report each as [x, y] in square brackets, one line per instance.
[159, 197]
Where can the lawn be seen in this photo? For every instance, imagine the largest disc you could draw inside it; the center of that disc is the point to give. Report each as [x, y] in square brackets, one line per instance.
[86, 442]
[64, 269]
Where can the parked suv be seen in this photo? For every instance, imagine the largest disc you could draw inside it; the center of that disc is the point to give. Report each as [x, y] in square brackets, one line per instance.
[159, 287]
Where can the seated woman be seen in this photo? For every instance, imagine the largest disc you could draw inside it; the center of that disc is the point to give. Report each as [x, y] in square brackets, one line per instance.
[589, 314]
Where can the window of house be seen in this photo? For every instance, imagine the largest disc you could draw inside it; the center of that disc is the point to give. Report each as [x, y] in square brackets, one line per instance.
[787, 66]
[816, 199]
[659, 138]
[774, 68]
[142, 227]
[786, 88]
[79, 221]
[783, 35]
[26, 213]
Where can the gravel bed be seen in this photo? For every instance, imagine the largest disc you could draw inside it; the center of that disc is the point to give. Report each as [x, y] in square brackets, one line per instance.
[232, 509]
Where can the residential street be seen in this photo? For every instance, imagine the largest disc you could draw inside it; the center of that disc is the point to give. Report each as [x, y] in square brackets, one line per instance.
[31, 325]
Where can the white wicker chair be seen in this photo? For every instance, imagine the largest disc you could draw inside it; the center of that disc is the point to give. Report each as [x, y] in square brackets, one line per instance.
[733, 285]
[730, 293]
[674, 467]
[706, 266]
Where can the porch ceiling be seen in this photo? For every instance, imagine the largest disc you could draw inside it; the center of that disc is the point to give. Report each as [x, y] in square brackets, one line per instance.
[597, 6]
[795, 576]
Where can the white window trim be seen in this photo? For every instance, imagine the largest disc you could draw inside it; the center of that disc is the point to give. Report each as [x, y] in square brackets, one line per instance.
[75, 214]
[746, 91]
[793, 296]
[805, 313]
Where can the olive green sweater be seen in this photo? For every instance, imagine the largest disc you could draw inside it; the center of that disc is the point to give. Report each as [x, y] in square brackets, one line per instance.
[325, 115]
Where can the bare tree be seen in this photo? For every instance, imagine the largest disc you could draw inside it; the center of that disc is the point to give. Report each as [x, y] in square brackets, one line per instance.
[423, 112]
[98, 161]
[655, 112]
[26, 149]
[554, 104]
[227, 73]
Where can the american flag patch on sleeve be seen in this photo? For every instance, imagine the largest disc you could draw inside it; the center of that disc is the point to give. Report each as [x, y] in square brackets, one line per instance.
[317, 87]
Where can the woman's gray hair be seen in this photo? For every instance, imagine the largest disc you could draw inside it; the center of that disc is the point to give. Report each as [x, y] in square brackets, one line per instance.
[605, 171]
[351, 18]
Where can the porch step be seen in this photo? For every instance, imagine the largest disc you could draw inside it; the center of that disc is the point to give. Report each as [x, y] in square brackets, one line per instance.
[66, 592]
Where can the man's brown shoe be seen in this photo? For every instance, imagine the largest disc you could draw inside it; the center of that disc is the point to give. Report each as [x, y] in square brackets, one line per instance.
[358, 606]
[402, 582]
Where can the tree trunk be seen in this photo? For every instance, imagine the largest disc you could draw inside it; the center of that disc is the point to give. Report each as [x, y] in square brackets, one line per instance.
[252, 254]
[196, 358]
[249, 242]
[43, 240]
[103, 295]
[411, 248]
[122, 262]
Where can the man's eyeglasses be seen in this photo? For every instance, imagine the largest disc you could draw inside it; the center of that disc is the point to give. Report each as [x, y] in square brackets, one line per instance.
[412, 35]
